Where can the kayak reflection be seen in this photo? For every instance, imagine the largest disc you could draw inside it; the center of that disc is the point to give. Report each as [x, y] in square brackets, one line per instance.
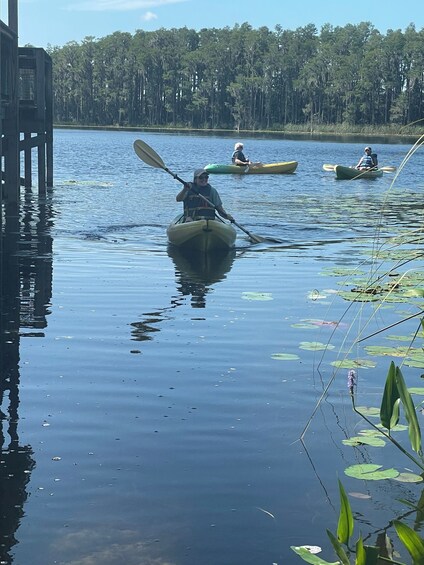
[196, 272]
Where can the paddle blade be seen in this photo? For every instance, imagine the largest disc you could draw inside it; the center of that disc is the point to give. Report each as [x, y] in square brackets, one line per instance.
[388, 169]
[328, 167]
[147, 154]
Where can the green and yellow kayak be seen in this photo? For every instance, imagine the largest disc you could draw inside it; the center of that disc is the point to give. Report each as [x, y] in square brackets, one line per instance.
[286, 167]
[349, 173]
[201, 235]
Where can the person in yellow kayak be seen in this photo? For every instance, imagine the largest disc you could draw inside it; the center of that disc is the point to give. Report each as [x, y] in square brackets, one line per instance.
[238, 157]
[196, 207]
[367, 161]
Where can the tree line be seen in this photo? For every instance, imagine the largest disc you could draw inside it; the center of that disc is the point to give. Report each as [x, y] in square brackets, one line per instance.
[242, 78]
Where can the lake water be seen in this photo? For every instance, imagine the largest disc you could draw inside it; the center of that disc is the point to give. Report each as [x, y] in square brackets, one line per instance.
[152, 406]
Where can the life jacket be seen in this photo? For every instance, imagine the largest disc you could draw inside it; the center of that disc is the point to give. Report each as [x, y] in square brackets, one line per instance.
[196, 207]
[367, 161]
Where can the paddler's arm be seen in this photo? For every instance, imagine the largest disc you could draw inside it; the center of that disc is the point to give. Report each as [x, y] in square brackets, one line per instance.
[224, 214]
[183, 193]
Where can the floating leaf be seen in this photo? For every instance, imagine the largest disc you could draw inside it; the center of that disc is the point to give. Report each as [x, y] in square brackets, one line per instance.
[415, 358]
[364, 440]
[398, 337]
[304, 326]
[285, 356]
[315, 346]
[416, 390]
[309, 557]
[359, 296]
[414, 363]
[354, 363]
[408, 478]
[316, 295]
[390, 351]
[397, 428]
[360, 495]
[313, 548]
[371, 433]
[368, 410]
[341, 272]
[257, 296]
[370, 472]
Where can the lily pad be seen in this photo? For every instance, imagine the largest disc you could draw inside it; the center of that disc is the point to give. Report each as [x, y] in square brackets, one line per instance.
[364, 440]
[285, 356]
[368, 410]
[415, 358]
[360, 495]
[398, 337]
[416, 390]
[390, 351]
[371, 433]
[315, 346]
[341, 272]
[316, 295]
[354, 363]
[408, 478]
[309, 557]
[359, 296]
[370, 472]
[257, 296]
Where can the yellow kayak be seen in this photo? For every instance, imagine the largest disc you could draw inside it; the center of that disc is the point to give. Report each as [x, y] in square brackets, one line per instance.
[286, 167]
[201, 235]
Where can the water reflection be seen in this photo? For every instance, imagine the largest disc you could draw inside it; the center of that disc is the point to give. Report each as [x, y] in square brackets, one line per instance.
[196, 272]
[25, 289]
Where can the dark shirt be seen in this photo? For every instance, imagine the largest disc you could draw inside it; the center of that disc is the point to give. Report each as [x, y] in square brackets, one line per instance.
[238, 154]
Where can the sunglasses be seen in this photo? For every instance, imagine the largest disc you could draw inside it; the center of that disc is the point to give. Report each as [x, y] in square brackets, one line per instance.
[203, 177]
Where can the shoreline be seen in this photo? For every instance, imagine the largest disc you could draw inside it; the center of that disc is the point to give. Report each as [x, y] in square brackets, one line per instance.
[344, 137]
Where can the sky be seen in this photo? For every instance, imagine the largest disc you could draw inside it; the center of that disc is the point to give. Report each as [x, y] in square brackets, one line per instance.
[56, 22]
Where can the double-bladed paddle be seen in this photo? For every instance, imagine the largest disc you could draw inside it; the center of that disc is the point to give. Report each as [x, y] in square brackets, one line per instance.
[150, 157]
[328, 167]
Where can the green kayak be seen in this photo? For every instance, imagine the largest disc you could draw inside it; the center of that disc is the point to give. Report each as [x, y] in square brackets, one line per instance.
[347, 173]
[286, 167]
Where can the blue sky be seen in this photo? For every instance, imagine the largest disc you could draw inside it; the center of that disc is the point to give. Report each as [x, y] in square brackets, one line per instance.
[55, 22]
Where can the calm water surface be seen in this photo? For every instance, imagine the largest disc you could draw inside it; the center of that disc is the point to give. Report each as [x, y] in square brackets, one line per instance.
[145, 418]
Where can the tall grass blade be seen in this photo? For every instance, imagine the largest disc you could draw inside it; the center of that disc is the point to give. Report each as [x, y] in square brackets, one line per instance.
[410, 413]
[366, 554]
[346, 523]
[389, 410]
[338, 548]
[411, 540]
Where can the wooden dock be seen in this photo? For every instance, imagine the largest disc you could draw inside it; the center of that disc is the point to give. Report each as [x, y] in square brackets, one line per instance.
[26, 105]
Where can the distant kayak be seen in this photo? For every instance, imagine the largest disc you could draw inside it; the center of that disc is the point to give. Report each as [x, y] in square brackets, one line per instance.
[201, 235]
[347, 173]
[286, 167]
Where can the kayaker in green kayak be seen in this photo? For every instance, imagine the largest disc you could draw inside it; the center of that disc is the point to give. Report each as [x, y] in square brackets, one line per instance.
[367, 161]
[195, 206]
[238, 157]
